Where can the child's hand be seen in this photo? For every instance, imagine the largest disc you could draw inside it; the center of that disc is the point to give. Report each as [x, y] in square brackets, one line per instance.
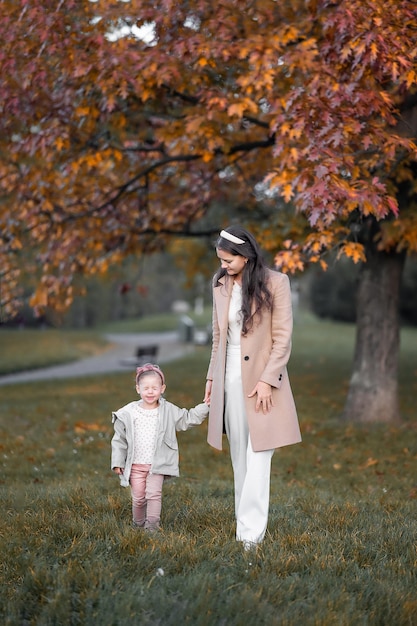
[118, 470]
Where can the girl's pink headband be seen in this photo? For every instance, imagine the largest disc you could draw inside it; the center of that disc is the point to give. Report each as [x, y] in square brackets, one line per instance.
[149, 367]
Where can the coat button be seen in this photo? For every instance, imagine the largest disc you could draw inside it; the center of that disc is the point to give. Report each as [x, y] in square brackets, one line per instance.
[280, 377]
[246, 358]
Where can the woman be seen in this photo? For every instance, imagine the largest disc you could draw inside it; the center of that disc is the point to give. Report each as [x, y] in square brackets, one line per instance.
[247, 382]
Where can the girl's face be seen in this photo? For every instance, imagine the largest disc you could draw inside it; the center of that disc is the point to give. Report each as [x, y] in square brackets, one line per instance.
[233, 264]
[150, 389]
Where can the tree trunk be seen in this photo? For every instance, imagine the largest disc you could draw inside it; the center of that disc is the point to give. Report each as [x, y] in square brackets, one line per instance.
[373, 390]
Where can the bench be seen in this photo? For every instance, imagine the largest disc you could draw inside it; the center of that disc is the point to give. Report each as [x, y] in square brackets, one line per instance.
[143, 354]
[146, 353]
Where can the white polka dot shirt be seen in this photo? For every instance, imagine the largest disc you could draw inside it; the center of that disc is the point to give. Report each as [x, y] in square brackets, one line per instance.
[145, 429]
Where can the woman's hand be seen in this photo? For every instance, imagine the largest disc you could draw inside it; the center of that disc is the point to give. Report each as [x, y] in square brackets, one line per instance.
[207, 395]
[118, 470]
[264, 397]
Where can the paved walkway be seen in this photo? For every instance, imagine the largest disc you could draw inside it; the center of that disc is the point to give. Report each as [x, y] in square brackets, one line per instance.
[117, 358]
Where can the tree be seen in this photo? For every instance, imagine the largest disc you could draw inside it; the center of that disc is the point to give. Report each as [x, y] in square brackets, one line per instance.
[112, 139]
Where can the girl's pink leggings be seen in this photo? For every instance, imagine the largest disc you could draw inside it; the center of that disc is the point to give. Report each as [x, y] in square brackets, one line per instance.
[146, 491]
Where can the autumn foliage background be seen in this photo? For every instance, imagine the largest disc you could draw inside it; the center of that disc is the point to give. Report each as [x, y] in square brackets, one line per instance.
[126, 124]
[110, 140]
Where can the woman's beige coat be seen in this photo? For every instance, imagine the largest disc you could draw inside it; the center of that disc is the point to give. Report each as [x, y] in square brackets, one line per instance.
[265, 352]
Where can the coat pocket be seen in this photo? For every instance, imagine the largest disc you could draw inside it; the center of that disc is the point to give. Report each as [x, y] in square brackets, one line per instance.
[171, 443]
[170, 455]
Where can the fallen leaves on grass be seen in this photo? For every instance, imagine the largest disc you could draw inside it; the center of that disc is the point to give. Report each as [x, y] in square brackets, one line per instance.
[370, 462]
[82, 427]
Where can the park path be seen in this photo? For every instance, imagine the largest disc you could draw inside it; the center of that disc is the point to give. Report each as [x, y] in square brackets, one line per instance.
[118, 357]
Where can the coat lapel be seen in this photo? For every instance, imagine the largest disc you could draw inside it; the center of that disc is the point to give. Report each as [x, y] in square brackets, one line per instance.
[222, 295]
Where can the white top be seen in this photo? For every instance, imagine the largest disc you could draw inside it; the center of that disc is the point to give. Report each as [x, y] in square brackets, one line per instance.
[145, 425]
[235, 316]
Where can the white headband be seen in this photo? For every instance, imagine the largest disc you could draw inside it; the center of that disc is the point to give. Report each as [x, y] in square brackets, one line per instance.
[230, 237]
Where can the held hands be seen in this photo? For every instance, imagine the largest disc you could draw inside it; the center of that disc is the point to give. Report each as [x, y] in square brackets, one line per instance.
[207, 394]
[264, 397]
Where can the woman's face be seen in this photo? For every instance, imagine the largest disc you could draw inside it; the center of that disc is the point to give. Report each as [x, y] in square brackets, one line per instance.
[233, 264]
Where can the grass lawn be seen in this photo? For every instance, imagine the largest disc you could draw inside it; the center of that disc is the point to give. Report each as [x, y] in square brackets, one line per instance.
[342, 538]
[28, 349]
[156, 323]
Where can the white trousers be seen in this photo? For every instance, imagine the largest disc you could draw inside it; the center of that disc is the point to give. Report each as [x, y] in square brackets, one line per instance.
[251, 470]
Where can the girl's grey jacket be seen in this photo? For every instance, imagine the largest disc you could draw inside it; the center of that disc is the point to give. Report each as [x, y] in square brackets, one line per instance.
[166, 457]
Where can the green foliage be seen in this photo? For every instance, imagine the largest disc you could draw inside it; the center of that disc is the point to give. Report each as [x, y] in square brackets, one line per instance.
[340, 548]
[140, 288]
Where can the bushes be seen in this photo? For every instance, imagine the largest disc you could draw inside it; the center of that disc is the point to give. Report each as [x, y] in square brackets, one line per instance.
[333, 293]
[409, 293]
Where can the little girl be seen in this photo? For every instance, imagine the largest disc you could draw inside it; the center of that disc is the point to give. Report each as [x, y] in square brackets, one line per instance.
[145, 446]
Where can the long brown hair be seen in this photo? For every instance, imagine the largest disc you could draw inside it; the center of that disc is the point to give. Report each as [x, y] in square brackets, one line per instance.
[254, 274]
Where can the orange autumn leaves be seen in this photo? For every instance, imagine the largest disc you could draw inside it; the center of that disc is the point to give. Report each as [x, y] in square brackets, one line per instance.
[110, 143]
